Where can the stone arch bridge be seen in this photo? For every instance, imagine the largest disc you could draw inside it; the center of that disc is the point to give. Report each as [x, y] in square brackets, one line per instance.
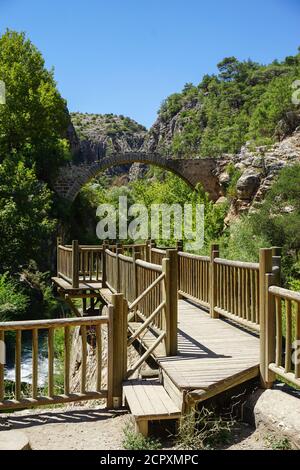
[195, 170]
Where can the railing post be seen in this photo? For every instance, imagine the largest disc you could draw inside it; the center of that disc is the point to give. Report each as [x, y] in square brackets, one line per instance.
[104, 276]
[270, 329]
[75, 264]
[179, 245]
[265, 267]
[170, 268]
[276, 262]
[213, 281]
[58, 267]
[119, 250]
[151, 245]
[135, 255]
[117, 349]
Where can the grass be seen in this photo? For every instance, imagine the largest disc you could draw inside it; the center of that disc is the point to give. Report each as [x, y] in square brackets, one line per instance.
[136, 441]
[205, 430]
[278, 444]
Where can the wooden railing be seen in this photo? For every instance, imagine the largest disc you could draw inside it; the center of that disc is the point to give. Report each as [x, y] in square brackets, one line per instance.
[90, 263]
[65, 262]
[84, 263]
[126, 273]
[151, 308]
[284, 332]
[193, 277]
[111, 267]
[157, 255]
[150, 291]
[236, 286]
[90, 332]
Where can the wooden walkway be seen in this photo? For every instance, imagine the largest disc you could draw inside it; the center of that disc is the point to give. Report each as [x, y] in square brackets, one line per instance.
[213, 355]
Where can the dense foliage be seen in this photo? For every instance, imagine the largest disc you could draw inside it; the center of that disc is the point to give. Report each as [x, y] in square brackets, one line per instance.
[244, 101]
[34, 119]
[275, 222]
[33, 124]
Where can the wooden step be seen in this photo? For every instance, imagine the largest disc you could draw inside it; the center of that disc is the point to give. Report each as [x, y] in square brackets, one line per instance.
[149, 401]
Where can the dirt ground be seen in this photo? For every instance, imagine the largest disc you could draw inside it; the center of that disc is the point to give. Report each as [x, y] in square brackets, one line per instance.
[87, 428]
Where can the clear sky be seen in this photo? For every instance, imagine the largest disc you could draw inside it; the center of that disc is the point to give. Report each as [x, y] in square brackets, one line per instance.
[126, 56]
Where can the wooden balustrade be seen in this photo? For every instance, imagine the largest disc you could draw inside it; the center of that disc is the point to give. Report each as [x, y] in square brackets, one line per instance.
[35, 395]
[64, 262]
[283, 333]
[157, 255]
[237, 291]
[193, 281]
[111, 265]
[126, 276]
[90, 263]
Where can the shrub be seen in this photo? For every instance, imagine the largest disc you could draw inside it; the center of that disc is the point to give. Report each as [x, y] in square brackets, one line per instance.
[136, 441]
[13, 302]
[203, 430]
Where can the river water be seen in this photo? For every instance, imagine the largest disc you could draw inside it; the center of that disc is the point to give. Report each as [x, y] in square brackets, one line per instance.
[26, 362]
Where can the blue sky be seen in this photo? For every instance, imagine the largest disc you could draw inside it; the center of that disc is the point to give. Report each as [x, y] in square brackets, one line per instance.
[126, 56]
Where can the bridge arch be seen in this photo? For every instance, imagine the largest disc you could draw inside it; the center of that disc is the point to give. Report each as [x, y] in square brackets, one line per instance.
[197, 170]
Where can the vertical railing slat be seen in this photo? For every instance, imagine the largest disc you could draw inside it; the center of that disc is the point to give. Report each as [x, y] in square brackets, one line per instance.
[2, 346]
[288, 337]
[83, 359]
[18, 365]
[35, 361]
[50, 362]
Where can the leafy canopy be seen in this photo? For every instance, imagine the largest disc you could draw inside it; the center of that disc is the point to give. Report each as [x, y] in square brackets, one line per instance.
[34, 119]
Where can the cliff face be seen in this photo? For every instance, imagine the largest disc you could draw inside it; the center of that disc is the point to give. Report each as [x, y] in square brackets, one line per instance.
[92, 136]
[257, 170]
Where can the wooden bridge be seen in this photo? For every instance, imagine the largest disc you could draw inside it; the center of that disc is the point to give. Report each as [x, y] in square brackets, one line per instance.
[208, 323]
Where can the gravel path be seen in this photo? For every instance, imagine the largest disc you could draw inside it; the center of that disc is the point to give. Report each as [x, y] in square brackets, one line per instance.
[68, 429]
[87, 428]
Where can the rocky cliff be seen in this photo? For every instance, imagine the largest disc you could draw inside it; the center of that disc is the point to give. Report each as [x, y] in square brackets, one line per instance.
[92, 136]
[255, 170]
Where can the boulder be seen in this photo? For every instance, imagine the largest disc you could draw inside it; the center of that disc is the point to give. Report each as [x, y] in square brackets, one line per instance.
[247, 185]
[221, 200]
[277, 411]
[224, 178]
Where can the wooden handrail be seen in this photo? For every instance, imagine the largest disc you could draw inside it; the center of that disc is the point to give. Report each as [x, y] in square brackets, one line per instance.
[57, 323]
[158, 250]
[285, 293]
[184, 254]
[237, 264]
[150, 266]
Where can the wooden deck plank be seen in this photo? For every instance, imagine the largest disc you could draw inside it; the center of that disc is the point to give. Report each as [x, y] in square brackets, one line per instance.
[148, 399]
[83, 285]
[212, 353]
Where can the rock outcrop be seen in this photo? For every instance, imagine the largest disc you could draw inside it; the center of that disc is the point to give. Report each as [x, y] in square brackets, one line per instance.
[258, 170]
[92, 137]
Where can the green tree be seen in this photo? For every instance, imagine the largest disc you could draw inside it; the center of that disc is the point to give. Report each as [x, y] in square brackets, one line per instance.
[25, 223]
[34, 119]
